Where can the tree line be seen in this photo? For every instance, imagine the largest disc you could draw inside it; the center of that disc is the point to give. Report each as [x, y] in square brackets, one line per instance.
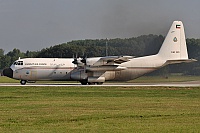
[135, 46]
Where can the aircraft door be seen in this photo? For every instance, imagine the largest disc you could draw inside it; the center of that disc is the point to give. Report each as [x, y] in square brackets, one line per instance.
[33, 75]
[117, 74]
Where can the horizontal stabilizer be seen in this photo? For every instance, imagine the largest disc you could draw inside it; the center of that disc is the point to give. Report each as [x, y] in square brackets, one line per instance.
[179, 61]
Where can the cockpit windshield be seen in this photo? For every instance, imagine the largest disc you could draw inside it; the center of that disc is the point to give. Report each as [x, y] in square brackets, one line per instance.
[18, 63]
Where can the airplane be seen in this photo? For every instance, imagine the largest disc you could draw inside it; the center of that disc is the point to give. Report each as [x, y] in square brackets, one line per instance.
[97, 70]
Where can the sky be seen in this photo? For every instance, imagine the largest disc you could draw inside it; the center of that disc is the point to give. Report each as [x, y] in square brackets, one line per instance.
[36, 24]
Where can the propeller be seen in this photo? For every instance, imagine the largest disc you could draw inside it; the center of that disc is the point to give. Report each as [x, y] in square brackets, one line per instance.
[79, 61]
[83, 60]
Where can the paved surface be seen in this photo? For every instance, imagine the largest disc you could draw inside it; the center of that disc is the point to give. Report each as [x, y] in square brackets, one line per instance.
[172, 84]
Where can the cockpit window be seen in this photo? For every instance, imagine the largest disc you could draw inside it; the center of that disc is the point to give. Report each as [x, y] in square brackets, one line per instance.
[18, 63]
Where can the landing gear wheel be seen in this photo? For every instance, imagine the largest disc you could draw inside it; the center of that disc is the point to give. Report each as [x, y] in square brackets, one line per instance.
[23, 82]
[99, 83]
[84, 82]
[91, 83]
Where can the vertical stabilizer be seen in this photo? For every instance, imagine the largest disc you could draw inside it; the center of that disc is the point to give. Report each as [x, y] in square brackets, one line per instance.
[174, 46]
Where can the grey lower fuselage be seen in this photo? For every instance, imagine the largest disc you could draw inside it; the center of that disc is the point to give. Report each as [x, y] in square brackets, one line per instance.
[61, 69]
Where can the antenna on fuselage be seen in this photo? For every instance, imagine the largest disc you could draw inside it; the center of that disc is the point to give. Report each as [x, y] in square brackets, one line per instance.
[106, 46]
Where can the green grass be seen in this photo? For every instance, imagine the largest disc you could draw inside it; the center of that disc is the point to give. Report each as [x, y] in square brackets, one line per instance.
[4, 79]
[99, 109]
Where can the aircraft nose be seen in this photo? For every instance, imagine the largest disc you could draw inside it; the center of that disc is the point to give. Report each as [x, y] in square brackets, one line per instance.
[8, 72]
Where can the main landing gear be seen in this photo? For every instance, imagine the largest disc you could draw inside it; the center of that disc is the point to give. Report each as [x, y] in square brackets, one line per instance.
[84, 82]
[91, 83]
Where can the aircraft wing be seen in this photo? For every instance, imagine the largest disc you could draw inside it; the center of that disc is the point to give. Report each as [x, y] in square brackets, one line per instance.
[110, 60]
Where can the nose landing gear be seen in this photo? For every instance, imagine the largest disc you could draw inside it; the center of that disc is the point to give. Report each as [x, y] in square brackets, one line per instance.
[23, 82]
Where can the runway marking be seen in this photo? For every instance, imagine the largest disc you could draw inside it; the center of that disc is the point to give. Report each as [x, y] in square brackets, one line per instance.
[168, 84]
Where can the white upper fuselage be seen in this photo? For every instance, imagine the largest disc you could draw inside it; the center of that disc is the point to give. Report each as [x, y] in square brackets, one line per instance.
[61, 68]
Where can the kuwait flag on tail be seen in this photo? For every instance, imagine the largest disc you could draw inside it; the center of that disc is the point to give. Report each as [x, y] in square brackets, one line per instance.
[178, 26]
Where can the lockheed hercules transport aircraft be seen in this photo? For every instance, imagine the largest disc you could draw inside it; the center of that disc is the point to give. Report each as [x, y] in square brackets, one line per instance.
[97, 70]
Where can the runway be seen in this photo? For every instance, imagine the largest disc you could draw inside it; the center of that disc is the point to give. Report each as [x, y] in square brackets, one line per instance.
[167, 84]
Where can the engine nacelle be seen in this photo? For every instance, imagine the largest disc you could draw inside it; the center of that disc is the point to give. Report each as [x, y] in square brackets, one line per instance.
[79, 75]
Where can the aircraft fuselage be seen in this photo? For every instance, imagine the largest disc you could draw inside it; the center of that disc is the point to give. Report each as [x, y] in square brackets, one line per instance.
[33, 69]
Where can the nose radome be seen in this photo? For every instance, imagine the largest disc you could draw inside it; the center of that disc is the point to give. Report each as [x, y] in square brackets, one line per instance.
[8, 72]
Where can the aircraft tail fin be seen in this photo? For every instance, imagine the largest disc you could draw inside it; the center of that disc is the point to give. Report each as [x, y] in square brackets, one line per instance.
[174, 46]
